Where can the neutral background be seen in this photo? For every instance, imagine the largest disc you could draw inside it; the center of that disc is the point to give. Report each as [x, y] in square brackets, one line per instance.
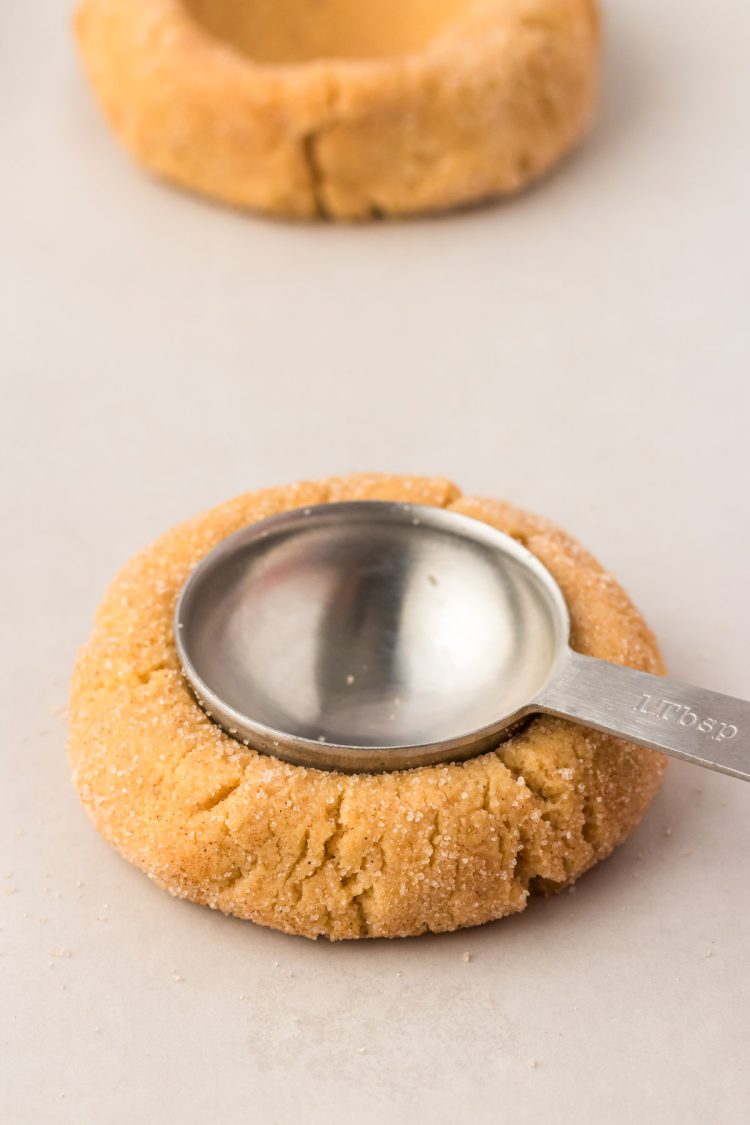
[584, 351]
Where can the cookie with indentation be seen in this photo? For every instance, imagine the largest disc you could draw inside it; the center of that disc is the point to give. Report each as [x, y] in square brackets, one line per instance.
[344, 108]
[346, 856]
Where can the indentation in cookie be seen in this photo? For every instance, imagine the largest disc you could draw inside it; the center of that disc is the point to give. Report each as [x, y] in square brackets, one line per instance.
[297, 31]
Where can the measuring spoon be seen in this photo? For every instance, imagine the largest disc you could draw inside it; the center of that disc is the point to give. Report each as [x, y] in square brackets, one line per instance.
[378, 636]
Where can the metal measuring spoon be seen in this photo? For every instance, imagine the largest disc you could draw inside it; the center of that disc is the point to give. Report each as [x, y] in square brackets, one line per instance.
[377, 636]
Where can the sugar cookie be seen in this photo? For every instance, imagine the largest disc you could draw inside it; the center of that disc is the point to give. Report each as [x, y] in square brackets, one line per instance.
[344, 108]
[346, 856]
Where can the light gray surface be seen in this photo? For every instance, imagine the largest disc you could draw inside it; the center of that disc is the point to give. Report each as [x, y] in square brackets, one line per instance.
[583, 351]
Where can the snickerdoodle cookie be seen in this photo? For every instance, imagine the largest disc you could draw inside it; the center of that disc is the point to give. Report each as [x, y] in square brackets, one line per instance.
[359, 855]
[345, 108]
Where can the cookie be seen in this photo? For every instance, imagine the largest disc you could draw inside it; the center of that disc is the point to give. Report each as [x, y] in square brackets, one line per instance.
[359, 855]
[344, 108]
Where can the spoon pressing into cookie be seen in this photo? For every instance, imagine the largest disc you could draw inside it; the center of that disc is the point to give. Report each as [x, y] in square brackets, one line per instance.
[370, 636]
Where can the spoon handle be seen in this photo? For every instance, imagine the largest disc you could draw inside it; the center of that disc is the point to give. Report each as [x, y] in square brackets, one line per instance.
[692, 723]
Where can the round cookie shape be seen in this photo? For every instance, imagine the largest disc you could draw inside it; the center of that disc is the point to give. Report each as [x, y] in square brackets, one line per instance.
[350, 109]
[346, 855]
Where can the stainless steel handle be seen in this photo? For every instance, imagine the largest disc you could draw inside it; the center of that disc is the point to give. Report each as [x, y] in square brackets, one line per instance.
[700, 726]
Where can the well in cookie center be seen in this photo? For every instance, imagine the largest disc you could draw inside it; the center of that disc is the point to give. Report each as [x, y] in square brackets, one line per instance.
[298, 31]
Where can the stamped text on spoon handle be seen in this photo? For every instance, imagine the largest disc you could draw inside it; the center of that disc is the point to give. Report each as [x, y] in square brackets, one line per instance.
[672, 711]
